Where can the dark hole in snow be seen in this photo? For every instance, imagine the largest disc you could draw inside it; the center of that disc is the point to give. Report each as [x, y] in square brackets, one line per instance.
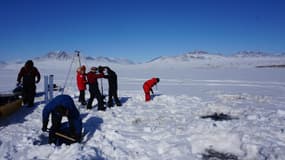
[41, 140]
[55, 87]
[215, 155]
[219, 117]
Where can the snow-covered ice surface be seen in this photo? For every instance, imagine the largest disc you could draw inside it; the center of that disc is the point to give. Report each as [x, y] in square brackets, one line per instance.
[169, 127]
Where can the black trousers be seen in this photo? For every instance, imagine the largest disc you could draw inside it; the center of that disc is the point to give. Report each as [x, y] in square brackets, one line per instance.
[29, 93]
[113, 94]
[95, 93]
[82, 96]
[55, 127]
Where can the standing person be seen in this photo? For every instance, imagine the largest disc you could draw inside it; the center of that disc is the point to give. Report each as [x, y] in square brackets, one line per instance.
[58, 107]
[113, 86]
[92, 77]
[28, 77]
[147, 87]
[81, 83]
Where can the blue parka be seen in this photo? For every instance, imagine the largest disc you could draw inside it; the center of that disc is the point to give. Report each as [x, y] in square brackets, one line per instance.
[67, 102]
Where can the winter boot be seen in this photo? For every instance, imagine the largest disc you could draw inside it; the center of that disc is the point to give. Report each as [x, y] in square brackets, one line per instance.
[110, 104]
[89, 107]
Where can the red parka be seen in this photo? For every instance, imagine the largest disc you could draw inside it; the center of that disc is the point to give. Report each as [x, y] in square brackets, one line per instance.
[92, 77]
[147, 87]
[149, 84]
[81, 81]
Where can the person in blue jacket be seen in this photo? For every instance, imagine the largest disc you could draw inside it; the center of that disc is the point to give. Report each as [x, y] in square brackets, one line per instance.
[62, 105]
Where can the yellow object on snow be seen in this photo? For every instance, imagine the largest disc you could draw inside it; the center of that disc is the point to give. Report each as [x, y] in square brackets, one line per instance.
[10, 107]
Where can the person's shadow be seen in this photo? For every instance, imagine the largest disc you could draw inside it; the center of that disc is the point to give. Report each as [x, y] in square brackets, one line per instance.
[124, 100]
[90, 126]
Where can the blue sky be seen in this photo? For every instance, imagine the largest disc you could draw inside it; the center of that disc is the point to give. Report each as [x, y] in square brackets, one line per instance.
[139, 29]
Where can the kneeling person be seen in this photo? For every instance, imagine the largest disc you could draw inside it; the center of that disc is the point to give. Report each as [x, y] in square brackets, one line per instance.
[59, 133]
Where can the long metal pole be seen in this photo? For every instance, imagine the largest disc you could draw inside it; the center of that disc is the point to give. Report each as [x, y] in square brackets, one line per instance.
[68, 73]
[78, 55]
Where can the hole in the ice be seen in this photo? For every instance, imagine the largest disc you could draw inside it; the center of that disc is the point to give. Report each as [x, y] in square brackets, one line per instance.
[211, 154]
[219, 117]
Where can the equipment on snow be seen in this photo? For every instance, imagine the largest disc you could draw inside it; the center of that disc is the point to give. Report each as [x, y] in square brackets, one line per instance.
[9, 108]
[60, 138]
[10, 102]
[76, 55]
[65, 137]
[48, 81]
[102, 92]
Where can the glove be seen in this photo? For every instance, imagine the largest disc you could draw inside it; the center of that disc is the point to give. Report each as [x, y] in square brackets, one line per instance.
[101, 69]
[18, 84]
[151, 91]
[44, 128]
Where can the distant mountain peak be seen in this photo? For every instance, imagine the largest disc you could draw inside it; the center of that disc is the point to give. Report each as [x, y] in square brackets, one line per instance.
[59, 55]
[154, 59]
[198, 52]
[251, 54]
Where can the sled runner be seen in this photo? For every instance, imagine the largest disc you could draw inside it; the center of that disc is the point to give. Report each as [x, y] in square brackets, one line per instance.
[63, 137]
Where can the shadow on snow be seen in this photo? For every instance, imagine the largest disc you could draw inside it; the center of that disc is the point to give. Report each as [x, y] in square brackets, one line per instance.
[90, 126]
[124, 100]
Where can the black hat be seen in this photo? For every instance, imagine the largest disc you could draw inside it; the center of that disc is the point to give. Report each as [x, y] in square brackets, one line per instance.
[29, 63]
[101, 69]
[157, 80]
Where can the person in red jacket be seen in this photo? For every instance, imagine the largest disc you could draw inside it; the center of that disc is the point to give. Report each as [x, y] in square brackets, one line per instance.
[81, 83]
[147, 87]
[28, 77]
[94, 91]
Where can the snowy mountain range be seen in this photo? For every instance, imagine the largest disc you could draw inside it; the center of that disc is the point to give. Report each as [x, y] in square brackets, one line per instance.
[257, 54]
[64, 56]
[203, 55]
[193, 59]
[196, 55]
[205, 59]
